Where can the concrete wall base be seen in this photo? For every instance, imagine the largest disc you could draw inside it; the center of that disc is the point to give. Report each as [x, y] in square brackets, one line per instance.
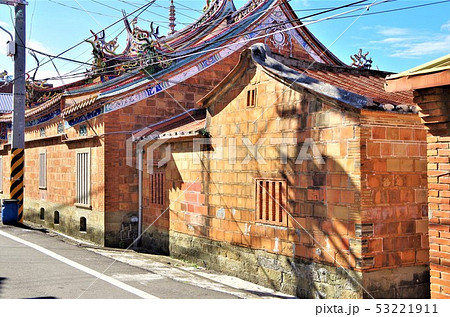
[69, 219]
[300, 277]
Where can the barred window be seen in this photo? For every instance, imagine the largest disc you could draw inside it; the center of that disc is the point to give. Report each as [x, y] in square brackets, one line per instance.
[42, 170]
[271, 201]
[83, 179]
[251, 98]
[157, 188]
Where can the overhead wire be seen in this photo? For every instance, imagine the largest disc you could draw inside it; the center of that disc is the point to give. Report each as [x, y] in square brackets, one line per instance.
[227, 38]
[314, 21]
[83, 41]
[273, 25]
[241, 42]
[231, 37]
[143, 7]
[397, 9]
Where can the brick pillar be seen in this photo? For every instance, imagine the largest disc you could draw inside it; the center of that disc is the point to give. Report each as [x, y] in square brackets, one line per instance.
[435, 103]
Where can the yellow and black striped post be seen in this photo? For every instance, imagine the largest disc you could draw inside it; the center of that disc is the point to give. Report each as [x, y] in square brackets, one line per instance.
[16, 186]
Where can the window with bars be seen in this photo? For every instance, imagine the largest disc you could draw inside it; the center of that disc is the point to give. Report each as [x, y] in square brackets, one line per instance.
[42, 170]
[83, 179]
[157, 188]
[251, 98]
[271, 201]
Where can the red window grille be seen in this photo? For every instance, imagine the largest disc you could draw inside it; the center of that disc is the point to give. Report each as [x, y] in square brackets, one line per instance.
[271, 201]
[157, 181]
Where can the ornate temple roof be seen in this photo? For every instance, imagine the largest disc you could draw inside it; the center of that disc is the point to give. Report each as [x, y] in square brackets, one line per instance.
[358, 88]
[151, 63]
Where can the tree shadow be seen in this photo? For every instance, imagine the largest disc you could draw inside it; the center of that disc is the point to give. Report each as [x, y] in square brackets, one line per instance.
[2, 279]
[323, 247]
[28, 227]
[42, 297]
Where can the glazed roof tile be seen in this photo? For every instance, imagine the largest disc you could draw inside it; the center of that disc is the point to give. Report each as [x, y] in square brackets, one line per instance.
[79, 105]
[362, 83]
[365, 82]
[39, 110]
[359, 88]
[44, 106]
[186, 124]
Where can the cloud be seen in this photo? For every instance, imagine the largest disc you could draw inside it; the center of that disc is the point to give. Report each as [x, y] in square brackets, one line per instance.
[438, 45]
[4, 37]
[409, 43]
[446, 26]
[54, 78]
[390, 40]
[304, 3]
[392, 31]
[39, 47]
[4, 24]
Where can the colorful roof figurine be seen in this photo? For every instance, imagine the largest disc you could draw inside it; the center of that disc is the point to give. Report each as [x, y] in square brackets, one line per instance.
[151, 63]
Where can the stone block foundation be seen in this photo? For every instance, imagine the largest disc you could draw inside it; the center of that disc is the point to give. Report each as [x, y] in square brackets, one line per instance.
[295, 276]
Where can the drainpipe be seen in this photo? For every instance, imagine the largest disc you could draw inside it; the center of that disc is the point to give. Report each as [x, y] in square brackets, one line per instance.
[140, 154]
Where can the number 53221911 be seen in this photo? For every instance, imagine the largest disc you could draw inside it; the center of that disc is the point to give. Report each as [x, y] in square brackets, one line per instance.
[406, 309]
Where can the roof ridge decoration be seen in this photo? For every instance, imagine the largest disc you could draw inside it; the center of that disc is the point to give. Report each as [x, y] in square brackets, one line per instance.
[143, 50]
[361, 60]
[261, 55]
[172, 17]
[209, 10]
[278, 36]
[247, 9]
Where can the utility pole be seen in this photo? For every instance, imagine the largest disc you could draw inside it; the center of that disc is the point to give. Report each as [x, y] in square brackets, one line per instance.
[18, 121]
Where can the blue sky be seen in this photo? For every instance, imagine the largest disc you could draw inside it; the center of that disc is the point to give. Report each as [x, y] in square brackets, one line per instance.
[396, 40]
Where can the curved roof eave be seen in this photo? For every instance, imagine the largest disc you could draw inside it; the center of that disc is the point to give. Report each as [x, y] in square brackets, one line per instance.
[191, 31]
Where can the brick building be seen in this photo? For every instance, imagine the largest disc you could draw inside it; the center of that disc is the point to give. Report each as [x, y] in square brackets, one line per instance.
[78, 179]
[431, 85]
[352, 218]
[295, 176]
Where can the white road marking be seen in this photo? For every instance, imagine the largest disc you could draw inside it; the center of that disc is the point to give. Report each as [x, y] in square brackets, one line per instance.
[137, 277]
[83, 268]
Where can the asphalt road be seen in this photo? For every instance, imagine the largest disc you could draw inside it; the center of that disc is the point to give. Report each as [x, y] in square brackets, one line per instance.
[34, 264]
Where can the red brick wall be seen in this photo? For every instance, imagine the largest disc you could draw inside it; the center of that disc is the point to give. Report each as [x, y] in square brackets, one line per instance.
[326, 201]
[393, 189]
[435, 103]
[121, 180]
[61, 165]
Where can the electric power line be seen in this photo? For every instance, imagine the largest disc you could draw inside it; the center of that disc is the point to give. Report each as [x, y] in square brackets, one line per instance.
[336, 17]
[83, 41]
[220, 47]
